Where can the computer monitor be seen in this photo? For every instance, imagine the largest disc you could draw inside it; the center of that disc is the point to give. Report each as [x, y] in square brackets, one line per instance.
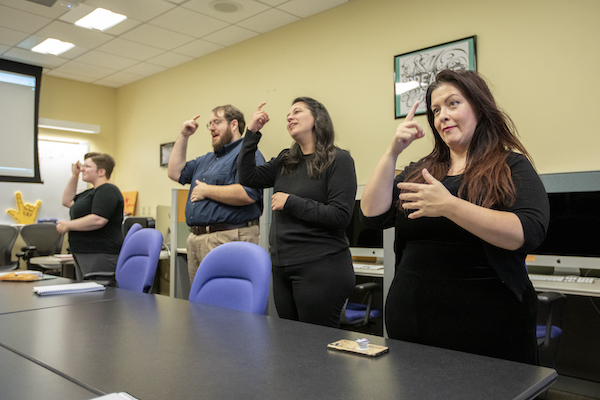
[364, 241]
[573, 239]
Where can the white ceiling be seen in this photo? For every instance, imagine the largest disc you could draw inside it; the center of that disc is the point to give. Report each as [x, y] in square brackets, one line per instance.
[157, 34]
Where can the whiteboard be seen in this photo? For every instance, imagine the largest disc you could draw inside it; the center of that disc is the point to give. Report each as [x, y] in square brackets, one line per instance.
[56, 158]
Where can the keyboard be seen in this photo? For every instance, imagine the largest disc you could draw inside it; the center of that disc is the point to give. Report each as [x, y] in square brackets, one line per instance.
[561, 278]
[368, 266]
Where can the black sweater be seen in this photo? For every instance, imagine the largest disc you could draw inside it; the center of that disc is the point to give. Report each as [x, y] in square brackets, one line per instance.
[531, 206]
[313, 221]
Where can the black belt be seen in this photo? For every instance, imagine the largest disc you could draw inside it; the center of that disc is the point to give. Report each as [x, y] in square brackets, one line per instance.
[202, 229]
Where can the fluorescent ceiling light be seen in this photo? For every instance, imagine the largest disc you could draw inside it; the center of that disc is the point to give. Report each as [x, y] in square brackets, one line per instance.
[53, 46]
[100, 19]
[67, 126]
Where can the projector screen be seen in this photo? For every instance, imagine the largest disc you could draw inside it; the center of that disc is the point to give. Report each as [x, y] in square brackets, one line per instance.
[19, 101]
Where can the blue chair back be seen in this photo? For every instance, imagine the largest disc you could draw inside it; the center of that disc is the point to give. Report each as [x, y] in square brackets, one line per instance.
[138, 260]
[235, 275]
[133, 229]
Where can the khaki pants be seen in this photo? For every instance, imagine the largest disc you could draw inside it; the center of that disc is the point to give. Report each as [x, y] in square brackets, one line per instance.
[198, 246]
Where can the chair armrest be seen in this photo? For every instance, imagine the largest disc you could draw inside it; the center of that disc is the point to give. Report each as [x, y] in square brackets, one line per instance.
[367, 286]
[548, 298]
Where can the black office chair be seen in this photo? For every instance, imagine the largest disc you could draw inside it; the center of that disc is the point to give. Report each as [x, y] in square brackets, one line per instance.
[8, 237]
[356, 315]
[549, 318]
[42, 239]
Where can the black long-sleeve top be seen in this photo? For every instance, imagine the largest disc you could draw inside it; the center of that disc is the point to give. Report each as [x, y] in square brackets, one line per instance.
[531, 206]
[313, 221]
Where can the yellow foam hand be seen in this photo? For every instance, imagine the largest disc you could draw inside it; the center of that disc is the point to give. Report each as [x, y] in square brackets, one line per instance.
[25, 213]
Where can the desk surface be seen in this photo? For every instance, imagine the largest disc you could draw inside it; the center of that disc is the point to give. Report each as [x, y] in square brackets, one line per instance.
[40, 383]
[156, 347]
[19, 296]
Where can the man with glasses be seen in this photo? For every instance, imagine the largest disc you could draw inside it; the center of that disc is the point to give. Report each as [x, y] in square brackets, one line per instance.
[218, 208]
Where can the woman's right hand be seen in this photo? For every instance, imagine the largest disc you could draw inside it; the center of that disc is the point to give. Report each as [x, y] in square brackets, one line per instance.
[259, 119]
[406, 132]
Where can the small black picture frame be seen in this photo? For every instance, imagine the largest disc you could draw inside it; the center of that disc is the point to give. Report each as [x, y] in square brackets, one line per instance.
[165, 153]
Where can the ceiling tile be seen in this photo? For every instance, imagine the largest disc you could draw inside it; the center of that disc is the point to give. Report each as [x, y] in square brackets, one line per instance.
[26, 56]
[273, 3]
[123, 27]
[142, 10]
[306, 8]
[106, 60]
[128, 49]
[157, 37]
[74, 34]
[11, 37]
[170, 60]
[157, 34]
[267, 21]
[248, 9]
[87, 70]
[21, 21]
[75, 77]
[197, 48]
[230, 35]
[188, 22]
[50, 12]
[122, 78]
[145, 69]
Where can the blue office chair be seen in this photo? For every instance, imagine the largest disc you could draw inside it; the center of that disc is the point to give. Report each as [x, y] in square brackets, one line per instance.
[355, 315]
[8, 237]
[550, 307]
[138, 259]
[132, 229]
[235, 275]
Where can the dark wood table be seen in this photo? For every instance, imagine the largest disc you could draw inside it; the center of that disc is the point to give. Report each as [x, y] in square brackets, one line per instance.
[156, 347]
[19, 296]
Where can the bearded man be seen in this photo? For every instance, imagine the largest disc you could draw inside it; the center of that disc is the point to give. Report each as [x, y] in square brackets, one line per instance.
[218, 208]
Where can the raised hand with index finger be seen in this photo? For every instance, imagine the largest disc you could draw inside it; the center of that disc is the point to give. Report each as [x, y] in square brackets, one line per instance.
[406, 132]
[259, 118]
[190, 126]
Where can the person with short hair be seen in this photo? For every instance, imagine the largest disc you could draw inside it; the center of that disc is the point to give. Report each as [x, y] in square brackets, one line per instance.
[95, 235]
[218, 208]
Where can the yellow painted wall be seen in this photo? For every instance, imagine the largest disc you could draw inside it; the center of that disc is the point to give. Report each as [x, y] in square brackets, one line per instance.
[540, 56]
[69, 100]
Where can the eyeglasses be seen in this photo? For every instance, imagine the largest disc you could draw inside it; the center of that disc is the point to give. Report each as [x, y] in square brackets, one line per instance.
[214, 122]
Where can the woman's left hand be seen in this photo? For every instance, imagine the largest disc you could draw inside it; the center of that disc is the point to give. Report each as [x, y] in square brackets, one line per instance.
[278, 200]
[429, 199]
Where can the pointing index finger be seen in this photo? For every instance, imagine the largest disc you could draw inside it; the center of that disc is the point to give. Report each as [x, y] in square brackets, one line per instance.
[261, 105]
[196, 117]
[413, 110]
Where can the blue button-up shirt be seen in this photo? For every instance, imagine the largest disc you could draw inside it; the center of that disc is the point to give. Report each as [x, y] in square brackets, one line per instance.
[219, 168]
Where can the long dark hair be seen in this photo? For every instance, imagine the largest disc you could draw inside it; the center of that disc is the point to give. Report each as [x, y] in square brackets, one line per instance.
[325, 148]
[487, 178]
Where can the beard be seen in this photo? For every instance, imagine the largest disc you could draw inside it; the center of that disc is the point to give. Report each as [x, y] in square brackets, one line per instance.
[224, 139]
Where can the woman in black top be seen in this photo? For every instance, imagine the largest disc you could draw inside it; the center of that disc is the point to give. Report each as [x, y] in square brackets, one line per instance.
[314, 185]
[95, 236]
[465, 217]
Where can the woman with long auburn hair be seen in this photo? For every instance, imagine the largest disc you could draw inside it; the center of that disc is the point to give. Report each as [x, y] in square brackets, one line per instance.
[314, 187]
[465, 217]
